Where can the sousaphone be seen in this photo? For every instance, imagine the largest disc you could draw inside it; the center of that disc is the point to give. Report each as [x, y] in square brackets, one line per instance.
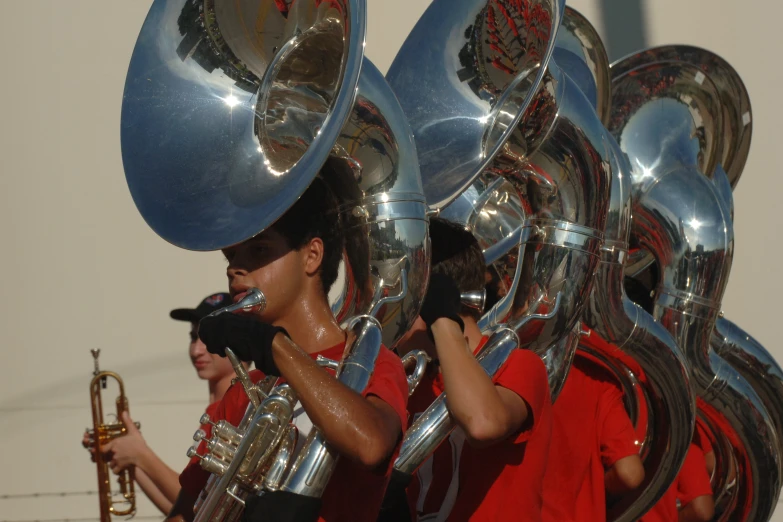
[668, 117]
[230, 111]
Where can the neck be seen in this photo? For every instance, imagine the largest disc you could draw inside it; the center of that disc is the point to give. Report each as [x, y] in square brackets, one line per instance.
[312, 326]
[218, 388]
[472, 332]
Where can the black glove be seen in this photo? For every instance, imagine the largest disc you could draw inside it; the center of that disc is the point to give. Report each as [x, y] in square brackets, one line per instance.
[442, 300]
[250, 340]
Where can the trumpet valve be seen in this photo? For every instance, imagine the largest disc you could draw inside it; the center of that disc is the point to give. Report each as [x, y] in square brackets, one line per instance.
[210, 463]
[224, 450]
[193, 452]
[213, 464]
[226, 431]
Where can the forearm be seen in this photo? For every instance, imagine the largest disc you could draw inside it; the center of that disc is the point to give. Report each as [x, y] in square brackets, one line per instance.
[162, 477]
[356, 427]
[153, 492]
[472, 398]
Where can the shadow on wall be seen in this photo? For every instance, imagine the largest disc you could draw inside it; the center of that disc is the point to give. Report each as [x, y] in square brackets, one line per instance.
[625, 27]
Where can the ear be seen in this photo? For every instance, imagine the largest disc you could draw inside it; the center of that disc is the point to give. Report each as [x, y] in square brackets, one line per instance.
[313, 256]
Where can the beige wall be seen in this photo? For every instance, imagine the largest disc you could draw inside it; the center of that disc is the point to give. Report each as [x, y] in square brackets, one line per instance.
[80, 269]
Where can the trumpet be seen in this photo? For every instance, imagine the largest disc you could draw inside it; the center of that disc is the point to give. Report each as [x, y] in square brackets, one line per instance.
[103, 433]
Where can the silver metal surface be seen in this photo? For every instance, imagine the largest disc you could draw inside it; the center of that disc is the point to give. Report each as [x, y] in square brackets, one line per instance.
[465, 76]
[260, 438]
[415, 363]
[558, 358]
[684, 219]
[474, 299]
[210, 158]
[435, 424]
[662, 373]
[254, 298]
[684, 105]
[581, 54]
[734, 131]
[746, 355]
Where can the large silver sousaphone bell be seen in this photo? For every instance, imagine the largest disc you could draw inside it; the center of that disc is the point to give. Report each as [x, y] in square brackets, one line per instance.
[720, 109]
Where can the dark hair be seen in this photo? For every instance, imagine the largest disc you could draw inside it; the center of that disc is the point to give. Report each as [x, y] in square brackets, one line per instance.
[315, 214]
[457, 254]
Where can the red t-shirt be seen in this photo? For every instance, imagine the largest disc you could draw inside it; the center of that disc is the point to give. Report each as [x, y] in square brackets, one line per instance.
[590, 432]
[354, 494]
[692, 482]
[500, 482]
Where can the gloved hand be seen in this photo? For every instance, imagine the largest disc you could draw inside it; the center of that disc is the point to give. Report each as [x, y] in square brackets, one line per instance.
[250, 340]
[442, 300]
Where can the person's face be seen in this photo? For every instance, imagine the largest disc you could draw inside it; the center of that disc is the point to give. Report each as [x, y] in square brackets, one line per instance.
[209, 367]
[267, 262]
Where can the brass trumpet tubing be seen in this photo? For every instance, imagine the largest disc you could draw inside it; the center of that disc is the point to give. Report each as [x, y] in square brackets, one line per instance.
[103, 433]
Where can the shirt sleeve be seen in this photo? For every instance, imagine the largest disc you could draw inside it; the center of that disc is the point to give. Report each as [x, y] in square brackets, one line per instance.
[693, 481]
[616, 435]
[524, 373]
[390, 384]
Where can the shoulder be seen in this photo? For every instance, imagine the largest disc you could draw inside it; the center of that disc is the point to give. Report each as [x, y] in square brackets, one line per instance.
[389, 360]
[389, 369]
[522, 364]
[524, 373]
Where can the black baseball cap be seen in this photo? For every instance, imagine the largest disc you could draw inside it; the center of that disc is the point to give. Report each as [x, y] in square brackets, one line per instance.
[204, 308]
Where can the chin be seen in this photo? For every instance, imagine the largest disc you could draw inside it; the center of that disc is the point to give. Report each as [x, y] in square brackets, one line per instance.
[204, 374]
